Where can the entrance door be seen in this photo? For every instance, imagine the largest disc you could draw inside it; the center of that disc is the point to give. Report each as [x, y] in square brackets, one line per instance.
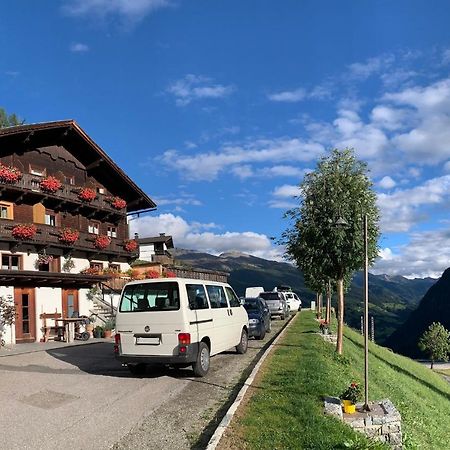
[25, 315]
[70, 302]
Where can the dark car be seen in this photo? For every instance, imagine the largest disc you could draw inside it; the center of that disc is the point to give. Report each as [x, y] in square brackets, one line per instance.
[258, 317]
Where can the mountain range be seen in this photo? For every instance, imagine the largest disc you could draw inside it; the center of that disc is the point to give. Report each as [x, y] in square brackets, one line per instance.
[391, 298]
[434, 307]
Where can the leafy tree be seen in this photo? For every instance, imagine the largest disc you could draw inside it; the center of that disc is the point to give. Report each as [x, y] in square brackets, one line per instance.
[9, 120]
[436, 342]
[327, 233]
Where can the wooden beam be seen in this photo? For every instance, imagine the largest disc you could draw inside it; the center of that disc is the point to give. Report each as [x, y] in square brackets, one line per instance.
[94, 164]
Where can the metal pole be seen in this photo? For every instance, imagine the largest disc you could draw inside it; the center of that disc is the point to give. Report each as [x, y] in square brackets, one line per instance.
[366, 319]
[372, 329]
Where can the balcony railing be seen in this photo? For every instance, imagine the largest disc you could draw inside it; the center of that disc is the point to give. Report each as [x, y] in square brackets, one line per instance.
[48, 236]
[67, 193]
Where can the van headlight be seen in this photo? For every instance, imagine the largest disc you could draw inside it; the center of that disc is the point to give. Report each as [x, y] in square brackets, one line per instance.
[253, 321]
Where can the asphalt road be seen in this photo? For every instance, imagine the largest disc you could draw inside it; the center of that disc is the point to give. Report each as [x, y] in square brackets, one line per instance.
[82, 398]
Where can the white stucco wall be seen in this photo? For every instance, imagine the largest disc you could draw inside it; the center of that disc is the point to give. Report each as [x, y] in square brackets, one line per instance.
[146, 252]
[8, 333]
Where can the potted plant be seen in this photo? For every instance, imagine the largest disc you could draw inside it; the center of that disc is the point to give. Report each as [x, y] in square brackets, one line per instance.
[109, 326]
[98, 331]
[130, 245]
[350, 396]
[117, 202]
[9, 174]
[50, 184]
[87, 194]
[101, 242]
[68, 236]
[24, 231]
[324, 326]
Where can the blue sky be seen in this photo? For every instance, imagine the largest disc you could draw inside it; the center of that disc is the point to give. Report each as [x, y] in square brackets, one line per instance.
[217, 109]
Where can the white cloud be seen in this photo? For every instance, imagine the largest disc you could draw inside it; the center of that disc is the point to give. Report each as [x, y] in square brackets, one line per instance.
[195, 87]
[387, 183]
[207, 166]
[426, 255]
[195, 236]
[130, 10]
[371, 66]
[247, 171]
[178, 201]
[296, 95]
[287, 190]
[78, 47]
[400, 210]
[389, 118]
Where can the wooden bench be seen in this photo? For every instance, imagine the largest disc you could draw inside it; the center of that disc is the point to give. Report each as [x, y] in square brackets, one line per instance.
[50, 330]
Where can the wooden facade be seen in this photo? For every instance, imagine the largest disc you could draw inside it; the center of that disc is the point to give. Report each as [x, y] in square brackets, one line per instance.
[60, 151]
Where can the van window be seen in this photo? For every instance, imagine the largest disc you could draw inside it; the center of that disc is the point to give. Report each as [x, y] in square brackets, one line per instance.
[150, 297]
[270, 295]
[232, 297]
[196, 296]
[217, 297]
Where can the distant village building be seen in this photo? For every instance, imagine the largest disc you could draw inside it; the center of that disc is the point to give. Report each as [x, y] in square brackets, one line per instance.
[156, 249]
[63, 222]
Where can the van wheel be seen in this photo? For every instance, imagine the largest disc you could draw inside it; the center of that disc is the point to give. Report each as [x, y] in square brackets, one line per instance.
[136, 369]
[241, 348]
[262, 335]
[201, 365]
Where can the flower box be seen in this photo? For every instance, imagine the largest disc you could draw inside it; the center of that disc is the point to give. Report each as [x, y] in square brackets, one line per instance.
[130, 245]
[101, 242]
[87, 194]
[117, 202]
[50, 184]
[24, 231]
[68, 236]
[9, 174]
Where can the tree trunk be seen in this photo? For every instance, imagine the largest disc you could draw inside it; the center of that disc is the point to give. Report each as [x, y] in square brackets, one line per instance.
[340, 329]
[432, 362]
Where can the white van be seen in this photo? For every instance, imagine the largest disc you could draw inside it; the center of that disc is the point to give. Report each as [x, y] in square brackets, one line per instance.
[253, 292]
[179, 322]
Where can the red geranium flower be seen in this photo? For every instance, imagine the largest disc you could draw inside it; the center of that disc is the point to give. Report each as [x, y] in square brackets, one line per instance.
[87, 194]
[118, 203]
[69, 236]
[130, 245]
[24, 231]
[50, 184]
[9, 174]
[101, 242]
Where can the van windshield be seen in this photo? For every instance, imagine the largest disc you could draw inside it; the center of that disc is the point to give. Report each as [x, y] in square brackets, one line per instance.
[162, 296]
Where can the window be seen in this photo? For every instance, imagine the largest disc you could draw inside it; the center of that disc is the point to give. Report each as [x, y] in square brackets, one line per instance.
[38, 171]
[96, 265]
[217, 297]
[114, 267]
[232, 297]
[150, 297]
[100, 190]
[11, 262]
[196, 296]
[112, 232]
[69, 179]
[6, 210]
[93, 227]
[50, 218]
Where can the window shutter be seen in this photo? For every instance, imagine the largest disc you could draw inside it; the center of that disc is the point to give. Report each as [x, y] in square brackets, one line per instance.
[38, 213]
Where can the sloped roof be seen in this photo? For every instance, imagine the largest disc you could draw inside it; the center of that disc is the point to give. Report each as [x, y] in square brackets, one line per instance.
[168, 240]
[70, 135]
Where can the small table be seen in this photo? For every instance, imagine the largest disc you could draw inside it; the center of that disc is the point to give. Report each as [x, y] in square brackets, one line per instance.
[69, 327]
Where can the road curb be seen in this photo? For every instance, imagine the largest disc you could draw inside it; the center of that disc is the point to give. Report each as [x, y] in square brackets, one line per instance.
[215, 439]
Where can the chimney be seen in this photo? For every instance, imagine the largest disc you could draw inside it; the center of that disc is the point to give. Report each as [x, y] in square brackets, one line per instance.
[162, 234]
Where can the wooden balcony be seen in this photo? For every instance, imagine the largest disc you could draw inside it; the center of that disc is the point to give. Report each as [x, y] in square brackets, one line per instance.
[47, 238]
[27, 190]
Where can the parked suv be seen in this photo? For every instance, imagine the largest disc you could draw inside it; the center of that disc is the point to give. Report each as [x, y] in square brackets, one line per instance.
[277, 304]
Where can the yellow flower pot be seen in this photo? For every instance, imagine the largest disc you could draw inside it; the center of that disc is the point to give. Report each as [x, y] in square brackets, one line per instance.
[349, 407]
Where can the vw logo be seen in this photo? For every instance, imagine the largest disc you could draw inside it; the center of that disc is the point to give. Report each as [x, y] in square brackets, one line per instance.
[147, 329]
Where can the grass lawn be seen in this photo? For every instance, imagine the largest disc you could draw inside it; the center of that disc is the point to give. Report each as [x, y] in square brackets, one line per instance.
[443, 371]
[286, 410]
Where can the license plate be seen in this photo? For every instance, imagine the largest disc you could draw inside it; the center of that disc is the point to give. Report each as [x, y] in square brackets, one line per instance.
[147, 341]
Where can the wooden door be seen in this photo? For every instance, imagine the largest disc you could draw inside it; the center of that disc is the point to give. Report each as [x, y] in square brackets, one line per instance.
[24, 300]
[70, 302]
